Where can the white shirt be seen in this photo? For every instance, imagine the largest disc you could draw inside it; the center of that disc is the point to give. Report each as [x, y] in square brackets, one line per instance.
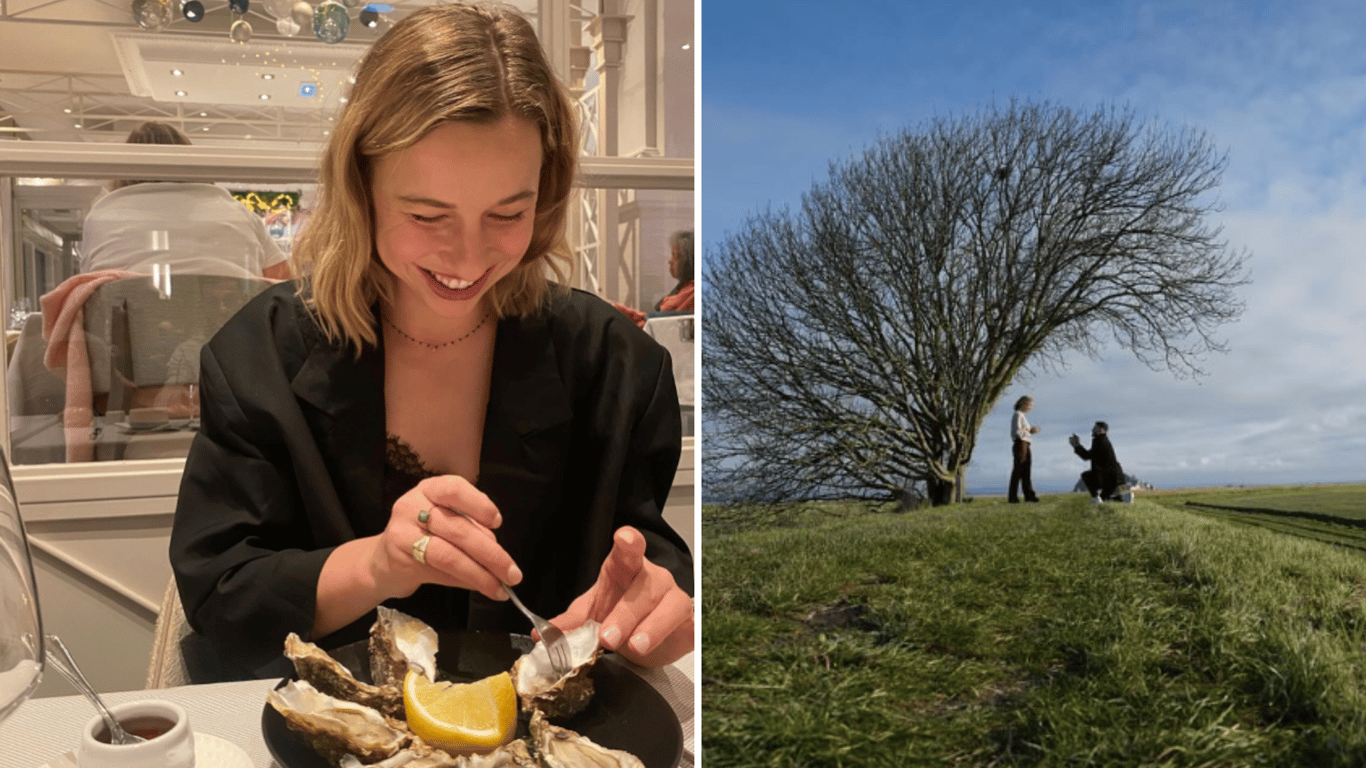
[194, 228]
[1019, 428]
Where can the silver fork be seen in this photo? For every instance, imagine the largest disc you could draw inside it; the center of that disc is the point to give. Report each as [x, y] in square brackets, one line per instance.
[556, 644]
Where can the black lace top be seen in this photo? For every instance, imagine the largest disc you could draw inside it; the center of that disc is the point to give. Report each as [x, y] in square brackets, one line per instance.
[403, 468]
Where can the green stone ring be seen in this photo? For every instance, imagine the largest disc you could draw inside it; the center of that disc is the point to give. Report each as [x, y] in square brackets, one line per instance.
[423, 515]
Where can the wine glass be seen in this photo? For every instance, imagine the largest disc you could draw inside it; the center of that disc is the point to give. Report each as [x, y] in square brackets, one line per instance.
[21, 626]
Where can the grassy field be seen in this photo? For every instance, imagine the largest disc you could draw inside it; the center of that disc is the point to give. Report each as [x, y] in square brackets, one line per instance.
[1335, 514]
[988, 634]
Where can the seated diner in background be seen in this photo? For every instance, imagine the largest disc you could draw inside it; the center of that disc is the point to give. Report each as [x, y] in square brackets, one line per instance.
[185, 227]
[680, 299]
[424, 416]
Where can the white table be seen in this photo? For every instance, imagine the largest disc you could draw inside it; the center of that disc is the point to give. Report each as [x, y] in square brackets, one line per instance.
[43, 729]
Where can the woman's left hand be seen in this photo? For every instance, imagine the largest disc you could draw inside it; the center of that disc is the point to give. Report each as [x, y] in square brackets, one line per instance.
[645, 616]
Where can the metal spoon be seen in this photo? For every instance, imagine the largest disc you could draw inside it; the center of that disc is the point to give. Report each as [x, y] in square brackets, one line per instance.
[59, 657]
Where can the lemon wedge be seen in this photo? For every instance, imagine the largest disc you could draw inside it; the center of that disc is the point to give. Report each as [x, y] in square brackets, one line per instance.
[461, 718]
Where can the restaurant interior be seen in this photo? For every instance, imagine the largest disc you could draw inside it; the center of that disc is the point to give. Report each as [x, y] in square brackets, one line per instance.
[256, 86]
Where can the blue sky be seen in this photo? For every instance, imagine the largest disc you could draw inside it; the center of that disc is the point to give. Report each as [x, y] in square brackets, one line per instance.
[790, 85]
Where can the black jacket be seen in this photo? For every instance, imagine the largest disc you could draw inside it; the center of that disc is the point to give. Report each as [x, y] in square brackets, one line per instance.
[1102, 457]
[582, 435]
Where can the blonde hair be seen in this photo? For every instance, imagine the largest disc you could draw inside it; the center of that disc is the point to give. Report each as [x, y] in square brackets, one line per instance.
[441, 64]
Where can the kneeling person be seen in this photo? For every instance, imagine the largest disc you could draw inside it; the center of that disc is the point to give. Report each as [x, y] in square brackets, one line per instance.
[1105, 474]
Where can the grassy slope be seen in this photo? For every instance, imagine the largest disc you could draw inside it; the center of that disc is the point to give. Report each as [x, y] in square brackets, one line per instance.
[991, 634]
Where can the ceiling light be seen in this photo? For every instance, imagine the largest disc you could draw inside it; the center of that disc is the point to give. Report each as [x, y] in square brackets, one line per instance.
[78, 126]
[177, 72]
[205, 128]
[203, 114]
[687, 46]
[267, 76]
[67, 110]
[192, 10]
[265, 97]
[180, 93]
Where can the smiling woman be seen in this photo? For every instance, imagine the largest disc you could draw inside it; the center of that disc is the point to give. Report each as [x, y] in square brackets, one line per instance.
[425, 414]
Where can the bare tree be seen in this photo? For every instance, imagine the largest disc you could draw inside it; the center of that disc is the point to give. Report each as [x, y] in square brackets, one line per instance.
[856, 345]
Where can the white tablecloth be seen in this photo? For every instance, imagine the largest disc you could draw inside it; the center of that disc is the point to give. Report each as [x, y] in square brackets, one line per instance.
[42, 730]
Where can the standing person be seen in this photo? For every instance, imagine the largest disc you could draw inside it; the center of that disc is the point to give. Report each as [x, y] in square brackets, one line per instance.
[187, 227]
[425, 414]
[1105, 474]
[1021, 437]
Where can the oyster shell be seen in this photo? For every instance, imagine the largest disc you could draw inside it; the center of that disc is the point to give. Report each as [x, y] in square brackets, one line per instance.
[399, 641]
[563, 748]
[334, 727]
[537, 686]
[332, 678]
[510, 755]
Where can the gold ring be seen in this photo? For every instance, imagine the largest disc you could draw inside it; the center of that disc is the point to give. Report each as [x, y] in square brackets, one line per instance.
[420, 549]
[423, 515]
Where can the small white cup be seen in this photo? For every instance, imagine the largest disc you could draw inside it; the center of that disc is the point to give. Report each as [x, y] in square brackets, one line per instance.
[172, 749]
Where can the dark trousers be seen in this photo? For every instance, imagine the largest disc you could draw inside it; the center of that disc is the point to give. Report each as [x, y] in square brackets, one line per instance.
[1103, 483]
[1019, 473]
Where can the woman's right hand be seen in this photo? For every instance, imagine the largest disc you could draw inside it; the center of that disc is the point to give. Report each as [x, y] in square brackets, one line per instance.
[462, 550]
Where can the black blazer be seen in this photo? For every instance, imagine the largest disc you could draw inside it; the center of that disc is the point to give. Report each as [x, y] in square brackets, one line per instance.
[1101, 456]
[582, 435]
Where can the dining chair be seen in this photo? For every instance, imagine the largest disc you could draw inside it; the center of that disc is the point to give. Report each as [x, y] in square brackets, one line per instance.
[167, 668]
[143, 334]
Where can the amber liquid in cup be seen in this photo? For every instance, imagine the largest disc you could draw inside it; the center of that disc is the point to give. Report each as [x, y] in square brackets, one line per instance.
[147, 727]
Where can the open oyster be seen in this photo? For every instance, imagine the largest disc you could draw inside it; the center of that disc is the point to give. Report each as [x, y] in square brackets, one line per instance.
[539, 688]
[332, 678]
[510, 755]
[334, 727]
[399, 641]
[563, 748]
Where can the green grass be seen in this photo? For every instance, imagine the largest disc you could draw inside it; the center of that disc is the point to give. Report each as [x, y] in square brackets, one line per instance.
[992, 634]
[1334, 514]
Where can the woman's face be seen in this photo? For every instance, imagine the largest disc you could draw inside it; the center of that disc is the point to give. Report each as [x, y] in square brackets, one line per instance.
[454, 213]
[673, 263]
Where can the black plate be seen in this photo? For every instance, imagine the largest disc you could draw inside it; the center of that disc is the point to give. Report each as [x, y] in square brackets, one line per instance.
[625, 712]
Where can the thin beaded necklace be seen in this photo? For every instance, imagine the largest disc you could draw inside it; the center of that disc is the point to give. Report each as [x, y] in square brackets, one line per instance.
[430, 345]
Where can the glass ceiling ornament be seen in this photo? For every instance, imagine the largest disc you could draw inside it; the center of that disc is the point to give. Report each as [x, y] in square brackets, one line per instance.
[240, 31]
[370, 17]
[278, 8]
[192, 10]
[287, 26]
[331, 22]
[352, 4]
[239, 7]
[302, 13]
[153, 14]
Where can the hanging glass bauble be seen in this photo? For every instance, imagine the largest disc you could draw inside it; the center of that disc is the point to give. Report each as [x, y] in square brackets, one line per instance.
[152, 14]
[302, 13]
[331, 22]
[287, 26]
[352, 4]
[369, 17]
[278, 9]
[240, 32]
[192, 10]
[239, 7]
